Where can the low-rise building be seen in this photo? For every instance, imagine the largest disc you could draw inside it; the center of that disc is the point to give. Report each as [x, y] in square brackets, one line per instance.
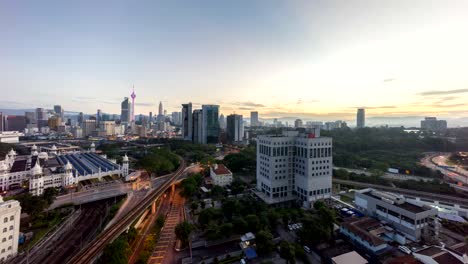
[221, 175]
[10, 212]
[365, 232]
[349, 258]
[409, 218]
[43, 170]
[440, 255]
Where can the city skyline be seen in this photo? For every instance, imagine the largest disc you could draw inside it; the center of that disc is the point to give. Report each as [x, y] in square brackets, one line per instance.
[302, 59]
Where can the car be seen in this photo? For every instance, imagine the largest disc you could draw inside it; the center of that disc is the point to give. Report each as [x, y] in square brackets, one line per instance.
[404, 249]
[306, 249]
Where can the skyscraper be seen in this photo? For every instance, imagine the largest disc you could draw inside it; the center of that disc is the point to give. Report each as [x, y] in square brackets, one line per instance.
[235, 128]
[197, 126]
[80, 118]
[222, 122]
[254, 118]
[41, 114]
[58, 111]
[133, 95]
[160, 110]
[361, 118]
[210, 132]
[2, 122]
[98, 117]
[187, 120]
[125, 111]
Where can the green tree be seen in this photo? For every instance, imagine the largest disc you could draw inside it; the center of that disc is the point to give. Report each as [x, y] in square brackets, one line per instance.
[217, 192]
[194, 206]
[264, 242]
[287, 251]
[183, 231]
[240, 225]
[252, 222]
[226, 229]
[230, 207]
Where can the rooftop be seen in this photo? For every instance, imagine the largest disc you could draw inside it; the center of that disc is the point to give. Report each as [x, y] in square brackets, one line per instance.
[366, 228]
[398, 201]
[220, 169]
[349, 258]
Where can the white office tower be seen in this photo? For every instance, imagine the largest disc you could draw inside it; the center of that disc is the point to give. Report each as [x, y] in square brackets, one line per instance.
[125, 166]
[10, 212]
[294, 167]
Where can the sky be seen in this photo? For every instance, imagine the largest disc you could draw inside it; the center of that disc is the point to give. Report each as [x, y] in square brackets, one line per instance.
[316, 60]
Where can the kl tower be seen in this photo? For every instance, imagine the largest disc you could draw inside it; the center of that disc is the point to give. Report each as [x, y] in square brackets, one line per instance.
[133, 96]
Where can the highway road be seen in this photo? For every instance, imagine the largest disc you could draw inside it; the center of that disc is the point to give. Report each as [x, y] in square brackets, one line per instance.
[91, 251]
[435, 160]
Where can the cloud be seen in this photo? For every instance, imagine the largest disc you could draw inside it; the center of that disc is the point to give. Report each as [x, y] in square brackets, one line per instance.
[83, 99]
[374, 107]
[300, 101]
[145, 104]
[441, 92]
[248, 104]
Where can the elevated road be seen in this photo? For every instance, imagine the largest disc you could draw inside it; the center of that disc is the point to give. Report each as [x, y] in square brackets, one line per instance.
[407, 192]
[91, 251]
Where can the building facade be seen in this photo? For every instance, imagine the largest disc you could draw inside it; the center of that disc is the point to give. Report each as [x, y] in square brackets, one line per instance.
[434, 125]
[235, 128]
[220, 175]
[254, 118]
[361, 118]
[210, 132]
[187, 122]
[10, 212]
[197, 129]
[125, 111]
[411, 219]
[294, 166]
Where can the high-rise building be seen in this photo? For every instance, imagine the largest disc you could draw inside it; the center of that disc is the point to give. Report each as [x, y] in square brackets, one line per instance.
[361, 118]
[80, 118]
[10, 212]
[254, 119]
[77, 132]
[432, 124]
[222, 122]
[298, 123]
[107, 127]
[58, 111]
[294, 166]
[2, 122]
[89, 126]
[235, 128]
[210, 132]
[187, 121]
[132, 114]
[98, 117]
[125, 111]
[176, 118]
[54, 122]
[160, 109]
[197, 129]
[41, 114]
[15, 123]
[30, 118]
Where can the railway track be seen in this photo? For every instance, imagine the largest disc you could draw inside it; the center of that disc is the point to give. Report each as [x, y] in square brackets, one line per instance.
[89, 253]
